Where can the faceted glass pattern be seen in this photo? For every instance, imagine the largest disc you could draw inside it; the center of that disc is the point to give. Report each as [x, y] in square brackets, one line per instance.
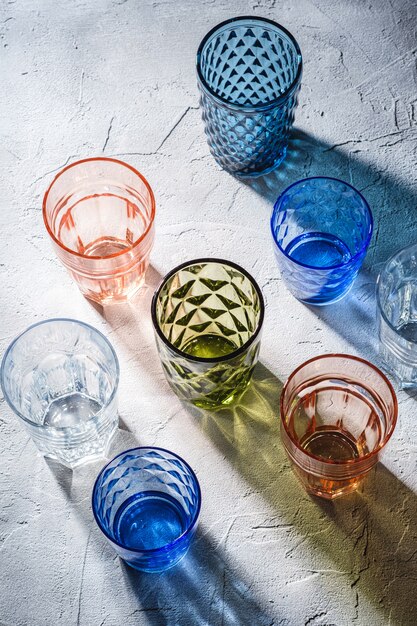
[215, 299]
[131, 477]
[321, 229]
[249, 73]
[60, 377]
[397, 316]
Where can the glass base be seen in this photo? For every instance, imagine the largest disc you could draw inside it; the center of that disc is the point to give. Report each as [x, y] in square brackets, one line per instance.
[257, 173]
[322, 300]
[338, 493]
[106, 298]
[155, 570]
[403, 371]
[214, 404]
[326, 488]
[73, 459]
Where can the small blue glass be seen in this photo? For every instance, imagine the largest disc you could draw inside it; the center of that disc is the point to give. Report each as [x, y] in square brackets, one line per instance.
[321, 229]
[249, 75]
[146, 501]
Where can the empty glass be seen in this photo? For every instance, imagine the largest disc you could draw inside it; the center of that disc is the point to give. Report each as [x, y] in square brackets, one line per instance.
[146, 501]
[321, 229]
[249, 75]
[397, 315]
[208, 316]
[100, 213]
[337, 413]
[60, 377]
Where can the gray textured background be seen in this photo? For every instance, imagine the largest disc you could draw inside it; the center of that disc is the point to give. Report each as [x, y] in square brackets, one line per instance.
[95, 77]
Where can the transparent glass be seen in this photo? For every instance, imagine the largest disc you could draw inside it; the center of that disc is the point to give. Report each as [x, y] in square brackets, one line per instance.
[397, 315]
[100, 214]
[337, 413]
[208, 316]
[321, 229]
[249, 76]
[147, 501]
[60, 377]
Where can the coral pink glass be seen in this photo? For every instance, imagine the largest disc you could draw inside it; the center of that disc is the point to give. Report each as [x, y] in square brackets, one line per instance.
[337, 413]
[100, 215]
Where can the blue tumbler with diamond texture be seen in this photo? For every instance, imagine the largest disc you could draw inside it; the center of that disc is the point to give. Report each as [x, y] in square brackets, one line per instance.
[146, 501]
[249, 75]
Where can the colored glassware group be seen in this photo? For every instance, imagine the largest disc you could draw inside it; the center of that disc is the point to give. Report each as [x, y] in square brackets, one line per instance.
[61, 376]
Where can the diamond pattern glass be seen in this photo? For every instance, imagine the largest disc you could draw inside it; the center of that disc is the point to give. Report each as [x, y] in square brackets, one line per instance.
[321, 229]
[146, 501]
[249, 75]
[207, 316]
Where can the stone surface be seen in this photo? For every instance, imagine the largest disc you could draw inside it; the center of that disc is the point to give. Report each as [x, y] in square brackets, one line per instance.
[117, 78]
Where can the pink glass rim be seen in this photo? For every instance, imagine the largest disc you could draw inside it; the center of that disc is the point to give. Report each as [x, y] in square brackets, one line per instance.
[89, 160]
[331, 462]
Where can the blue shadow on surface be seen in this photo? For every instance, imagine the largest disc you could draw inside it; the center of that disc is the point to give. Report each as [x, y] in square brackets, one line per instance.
[202, 590]
[392, 203]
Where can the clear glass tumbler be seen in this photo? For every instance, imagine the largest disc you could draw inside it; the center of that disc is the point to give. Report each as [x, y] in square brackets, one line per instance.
[100, 214]
[321, 229]
[249, 75]
[60, 377]
[397, 315]
[337, 413]
[147, 501]
[207, 315]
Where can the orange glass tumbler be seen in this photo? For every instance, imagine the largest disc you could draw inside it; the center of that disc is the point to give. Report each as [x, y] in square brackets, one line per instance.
[337, 413]
[100, 214]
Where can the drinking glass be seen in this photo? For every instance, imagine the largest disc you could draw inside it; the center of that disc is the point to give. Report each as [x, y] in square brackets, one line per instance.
[397, 315]
[207, 315]
[100, 214]
[249, 76]
[321, 229]
[147, 501]
[60, 377]
[337, 414]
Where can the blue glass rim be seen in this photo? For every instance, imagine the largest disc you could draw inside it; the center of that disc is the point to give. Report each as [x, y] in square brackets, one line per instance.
[215, 359]
[245, 107]
[168, 545]
[378, 288]
[365, 244]
[48, 321]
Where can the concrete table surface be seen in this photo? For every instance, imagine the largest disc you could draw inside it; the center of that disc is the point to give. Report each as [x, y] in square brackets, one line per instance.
[117, 78]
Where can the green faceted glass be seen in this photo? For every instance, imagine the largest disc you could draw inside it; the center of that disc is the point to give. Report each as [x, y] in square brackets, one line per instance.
[208, 316]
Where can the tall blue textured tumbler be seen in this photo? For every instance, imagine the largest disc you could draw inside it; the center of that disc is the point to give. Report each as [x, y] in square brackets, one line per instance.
[249, 75]
[146, 501]
[321, 229]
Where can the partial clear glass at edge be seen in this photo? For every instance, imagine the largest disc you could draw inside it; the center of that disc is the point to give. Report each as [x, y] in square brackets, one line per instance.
[397, 316]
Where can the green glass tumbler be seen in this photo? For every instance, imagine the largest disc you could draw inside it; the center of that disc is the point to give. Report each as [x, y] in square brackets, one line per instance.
[207, 315]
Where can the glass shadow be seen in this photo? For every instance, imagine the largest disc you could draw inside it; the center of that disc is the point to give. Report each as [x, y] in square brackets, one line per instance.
[366, 542]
